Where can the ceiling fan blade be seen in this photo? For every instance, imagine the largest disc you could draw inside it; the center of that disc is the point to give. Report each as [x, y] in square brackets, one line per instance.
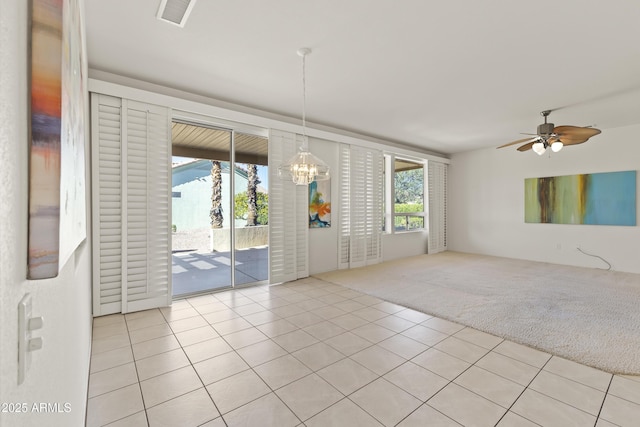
[575, 132]
[527, 146]
[573, 141]
[519, 141]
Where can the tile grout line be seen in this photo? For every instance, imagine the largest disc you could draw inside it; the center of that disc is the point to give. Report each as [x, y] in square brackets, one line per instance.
[604, 400]
[144, 406]
[568, 379]
[525, 389]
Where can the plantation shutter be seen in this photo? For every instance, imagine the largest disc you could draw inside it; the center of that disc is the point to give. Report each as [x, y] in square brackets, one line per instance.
[361, 195]
[437, 188]
[344, 217]
[302, 225]
[358, 220]
[148, 184]
[375, 206]
[288, 214]
[107, 204]
[131, 211]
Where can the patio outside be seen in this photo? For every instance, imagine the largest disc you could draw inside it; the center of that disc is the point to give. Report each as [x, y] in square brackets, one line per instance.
[200, 271]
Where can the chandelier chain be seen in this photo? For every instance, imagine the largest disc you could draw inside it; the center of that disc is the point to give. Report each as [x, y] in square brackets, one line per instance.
[304, 99]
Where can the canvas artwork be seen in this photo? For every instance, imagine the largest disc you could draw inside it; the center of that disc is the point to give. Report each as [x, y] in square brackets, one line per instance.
[320, 204]
[75, 102]
[57, 211]
[596, 199]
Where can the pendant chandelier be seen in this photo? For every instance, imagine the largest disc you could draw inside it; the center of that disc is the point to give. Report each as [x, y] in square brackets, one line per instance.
[304, 167]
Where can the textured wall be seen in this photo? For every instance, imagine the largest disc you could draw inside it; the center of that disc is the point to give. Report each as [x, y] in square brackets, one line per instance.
[59, 371]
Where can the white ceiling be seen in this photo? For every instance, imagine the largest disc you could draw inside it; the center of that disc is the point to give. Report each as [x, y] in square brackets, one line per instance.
[447, 76]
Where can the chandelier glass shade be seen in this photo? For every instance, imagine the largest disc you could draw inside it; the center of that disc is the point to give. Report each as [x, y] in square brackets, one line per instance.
[304, 168]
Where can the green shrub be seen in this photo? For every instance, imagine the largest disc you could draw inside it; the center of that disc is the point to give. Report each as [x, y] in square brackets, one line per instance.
[400, 222]
[241, 202]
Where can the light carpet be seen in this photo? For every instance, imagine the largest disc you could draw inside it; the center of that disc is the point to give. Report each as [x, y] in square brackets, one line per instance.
[590, 316]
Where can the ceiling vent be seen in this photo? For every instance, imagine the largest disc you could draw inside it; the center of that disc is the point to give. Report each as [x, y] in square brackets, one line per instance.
[175, 12]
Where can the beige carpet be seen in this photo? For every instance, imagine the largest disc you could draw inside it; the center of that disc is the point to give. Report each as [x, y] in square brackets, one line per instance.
[587, 315]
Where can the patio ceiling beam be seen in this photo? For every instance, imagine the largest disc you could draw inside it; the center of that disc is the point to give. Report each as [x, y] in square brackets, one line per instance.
[221, 155]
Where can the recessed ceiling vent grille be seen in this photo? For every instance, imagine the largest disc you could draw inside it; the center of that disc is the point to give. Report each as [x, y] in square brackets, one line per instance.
[175, 12]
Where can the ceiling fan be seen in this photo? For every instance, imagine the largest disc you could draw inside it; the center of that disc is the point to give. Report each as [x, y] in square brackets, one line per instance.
[553, 136]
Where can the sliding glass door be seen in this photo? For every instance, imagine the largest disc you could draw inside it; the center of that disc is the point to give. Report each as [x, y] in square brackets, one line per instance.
[219, 208]
[251, 209]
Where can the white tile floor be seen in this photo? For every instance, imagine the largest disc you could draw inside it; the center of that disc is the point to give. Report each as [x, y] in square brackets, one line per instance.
[310, 353]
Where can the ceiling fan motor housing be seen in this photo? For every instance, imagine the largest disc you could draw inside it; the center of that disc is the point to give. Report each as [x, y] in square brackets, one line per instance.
[545, 129]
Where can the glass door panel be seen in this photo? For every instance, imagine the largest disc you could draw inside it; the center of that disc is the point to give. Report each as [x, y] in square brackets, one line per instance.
[201, 209]
[251, 209]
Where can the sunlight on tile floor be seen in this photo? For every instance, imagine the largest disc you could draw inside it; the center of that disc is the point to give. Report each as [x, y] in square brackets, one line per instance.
[310, 353]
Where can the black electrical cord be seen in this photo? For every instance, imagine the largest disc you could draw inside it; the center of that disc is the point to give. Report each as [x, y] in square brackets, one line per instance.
[596, 256]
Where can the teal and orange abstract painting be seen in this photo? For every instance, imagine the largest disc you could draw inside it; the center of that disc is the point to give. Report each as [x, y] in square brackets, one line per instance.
[596, 199]
[320, 204]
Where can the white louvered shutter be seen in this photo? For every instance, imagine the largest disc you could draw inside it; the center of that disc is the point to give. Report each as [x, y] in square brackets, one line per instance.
[344, 217]
[375, 207]
[148, 184]
[437, 188]
[358, 196]
[131, 212]
[302, 225]
[107, 204]
[288, 215]
[361, 196]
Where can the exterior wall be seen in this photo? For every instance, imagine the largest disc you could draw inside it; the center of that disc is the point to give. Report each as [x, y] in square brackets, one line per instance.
[60, 370]
[245, 237]
[486, 204]
[190, 211]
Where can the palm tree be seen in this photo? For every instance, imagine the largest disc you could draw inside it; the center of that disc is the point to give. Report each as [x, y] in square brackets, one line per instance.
[216, 195]
[252, 199]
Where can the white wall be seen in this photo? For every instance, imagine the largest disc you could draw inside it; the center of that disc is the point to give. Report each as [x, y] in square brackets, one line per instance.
[59, 372]
[486, 203]
[323, 242]
[403, 245]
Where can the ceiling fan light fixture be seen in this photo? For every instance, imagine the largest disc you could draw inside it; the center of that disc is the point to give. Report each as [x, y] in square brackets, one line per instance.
[551, 136]
[557, 146]
[539, 148]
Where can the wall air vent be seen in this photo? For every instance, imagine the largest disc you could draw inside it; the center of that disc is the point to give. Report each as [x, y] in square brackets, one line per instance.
[175, 12]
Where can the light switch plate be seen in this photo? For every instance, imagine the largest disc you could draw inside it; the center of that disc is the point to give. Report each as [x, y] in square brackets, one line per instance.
[26, 344]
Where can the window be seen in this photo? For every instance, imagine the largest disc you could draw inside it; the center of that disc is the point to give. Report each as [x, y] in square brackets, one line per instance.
[405, 189]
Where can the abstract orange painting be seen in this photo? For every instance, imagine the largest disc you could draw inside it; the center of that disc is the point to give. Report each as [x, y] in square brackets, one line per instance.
[46, 116]
[56, 156]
